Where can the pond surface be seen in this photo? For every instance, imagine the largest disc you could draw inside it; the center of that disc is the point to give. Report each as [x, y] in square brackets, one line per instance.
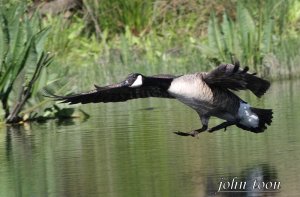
[128, 149]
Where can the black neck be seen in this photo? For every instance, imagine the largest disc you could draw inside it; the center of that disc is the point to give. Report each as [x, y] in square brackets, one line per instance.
[163, 83]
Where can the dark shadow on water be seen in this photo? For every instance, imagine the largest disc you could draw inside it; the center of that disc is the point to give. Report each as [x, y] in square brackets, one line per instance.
[21, 134]
[260, 180]
[8, 144]
[17, 134]
[11, 133]
[147, 109]
[65, 122]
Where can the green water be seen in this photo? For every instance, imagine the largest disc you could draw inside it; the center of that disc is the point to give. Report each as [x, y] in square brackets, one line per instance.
[128, 149]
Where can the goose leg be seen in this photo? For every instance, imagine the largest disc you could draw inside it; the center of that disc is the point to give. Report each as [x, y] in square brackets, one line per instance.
[204, 121]
[197, 131]
[223, 125]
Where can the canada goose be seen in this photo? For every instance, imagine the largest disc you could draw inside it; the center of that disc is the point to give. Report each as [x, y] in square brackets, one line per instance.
[208, 93]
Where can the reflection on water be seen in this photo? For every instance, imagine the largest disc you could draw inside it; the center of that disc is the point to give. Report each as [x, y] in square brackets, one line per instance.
[128, 149]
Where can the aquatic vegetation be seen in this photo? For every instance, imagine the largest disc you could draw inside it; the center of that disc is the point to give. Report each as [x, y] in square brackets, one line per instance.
[23, 61]
[175, 37]
[253, 36]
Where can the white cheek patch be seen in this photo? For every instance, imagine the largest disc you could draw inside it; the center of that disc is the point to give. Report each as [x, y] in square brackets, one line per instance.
[138, 82]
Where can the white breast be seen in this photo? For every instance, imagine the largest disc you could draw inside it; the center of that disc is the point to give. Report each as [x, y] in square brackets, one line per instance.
[190, 90]
[184, 88]
[190, 86]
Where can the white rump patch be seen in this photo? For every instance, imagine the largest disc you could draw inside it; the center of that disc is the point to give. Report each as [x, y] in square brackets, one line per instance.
[248, 118]
[138, 82]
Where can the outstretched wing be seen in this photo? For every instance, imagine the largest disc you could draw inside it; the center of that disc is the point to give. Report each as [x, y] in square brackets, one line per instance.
[232, 77]
[113, 93]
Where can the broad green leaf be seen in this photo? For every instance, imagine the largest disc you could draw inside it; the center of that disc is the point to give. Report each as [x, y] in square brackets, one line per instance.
[4, 40]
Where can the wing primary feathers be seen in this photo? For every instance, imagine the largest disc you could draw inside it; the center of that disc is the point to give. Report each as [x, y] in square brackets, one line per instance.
[236, 68]
[118, 92]
[246, 69]
[232, 77]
